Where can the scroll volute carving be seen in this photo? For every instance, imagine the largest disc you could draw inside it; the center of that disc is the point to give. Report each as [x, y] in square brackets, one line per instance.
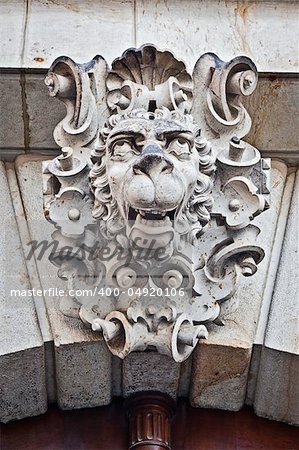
[155, 195]
[220, 85]
[81, 87]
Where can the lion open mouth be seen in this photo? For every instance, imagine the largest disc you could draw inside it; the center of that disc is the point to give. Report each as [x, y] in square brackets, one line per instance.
[151, 216]
[150, 227]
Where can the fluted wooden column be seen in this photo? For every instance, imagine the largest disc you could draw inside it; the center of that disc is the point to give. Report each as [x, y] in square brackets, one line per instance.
[150, 415]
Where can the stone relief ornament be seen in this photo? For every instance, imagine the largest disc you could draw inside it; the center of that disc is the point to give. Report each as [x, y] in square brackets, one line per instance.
[153, 195]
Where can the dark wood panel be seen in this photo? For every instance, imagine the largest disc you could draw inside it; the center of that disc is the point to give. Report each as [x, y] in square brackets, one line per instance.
[206, 429]
[105, 429]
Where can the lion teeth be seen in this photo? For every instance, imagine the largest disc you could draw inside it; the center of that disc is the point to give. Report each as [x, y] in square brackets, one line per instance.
[159, 213]
[153, 212]
[152, 217]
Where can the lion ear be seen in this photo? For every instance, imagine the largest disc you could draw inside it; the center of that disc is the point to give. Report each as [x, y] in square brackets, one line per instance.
[82, 89]
[218, 89]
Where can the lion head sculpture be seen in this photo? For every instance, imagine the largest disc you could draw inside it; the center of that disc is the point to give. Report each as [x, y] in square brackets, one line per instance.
[152, 173]
[137, 175]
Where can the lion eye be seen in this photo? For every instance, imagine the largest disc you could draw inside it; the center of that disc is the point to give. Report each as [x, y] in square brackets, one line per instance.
[182, 141]
[121, 149]
[180, 146]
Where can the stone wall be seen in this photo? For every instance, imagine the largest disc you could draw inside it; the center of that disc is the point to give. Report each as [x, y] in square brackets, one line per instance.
[265, 31]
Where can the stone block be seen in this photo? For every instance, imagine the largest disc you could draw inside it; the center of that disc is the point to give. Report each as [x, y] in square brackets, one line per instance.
[220, 376]
[274, 108]
[148, 371]
[22, 365]
[277, 387]
[9, 155]
[22, 383]
[80, 354]
[282, 332]
[277, 391]
[275, 259]
[253, 373]
[30, 263]
[222, 382]
[11, 107]
[273, 103]
[13, 19]
[83, 374]
[43, 113]
[254, 29]
[78, 29]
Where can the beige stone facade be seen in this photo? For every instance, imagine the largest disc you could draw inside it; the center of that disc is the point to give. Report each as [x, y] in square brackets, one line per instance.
[46, 356]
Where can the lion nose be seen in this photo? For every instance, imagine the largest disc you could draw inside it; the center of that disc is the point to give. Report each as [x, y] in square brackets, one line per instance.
[152, 162]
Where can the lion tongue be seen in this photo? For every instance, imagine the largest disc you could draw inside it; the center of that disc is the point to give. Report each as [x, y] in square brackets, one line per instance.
[157, 233]
[149, 222]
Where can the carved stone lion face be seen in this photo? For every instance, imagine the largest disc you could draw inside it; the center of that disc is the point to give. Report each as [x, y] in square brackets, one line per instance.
[151, 173]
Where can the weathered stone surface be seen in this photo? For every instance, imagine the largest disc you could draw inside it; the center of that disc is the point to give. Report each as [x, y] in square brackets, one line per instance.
[22, 382]
[269, 288]
[273, 103]
[230, 346]
[77, 350]
[150, 372]
[215, 382]
[30, 262]
[83, 374]
[186, 27]
[22, 367]
[256, 29]
[50, 371]
[33, 275]
[11, 107]
[253, 373]
[87, 23]
[24, 45]
[277, 386]
[220, 375]
[226, 380]
[282, 332]
[42, 113]
[116, 376]
[12, 29]
[274, 108]
[275, 258]
[185, 377]
[277, 391]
